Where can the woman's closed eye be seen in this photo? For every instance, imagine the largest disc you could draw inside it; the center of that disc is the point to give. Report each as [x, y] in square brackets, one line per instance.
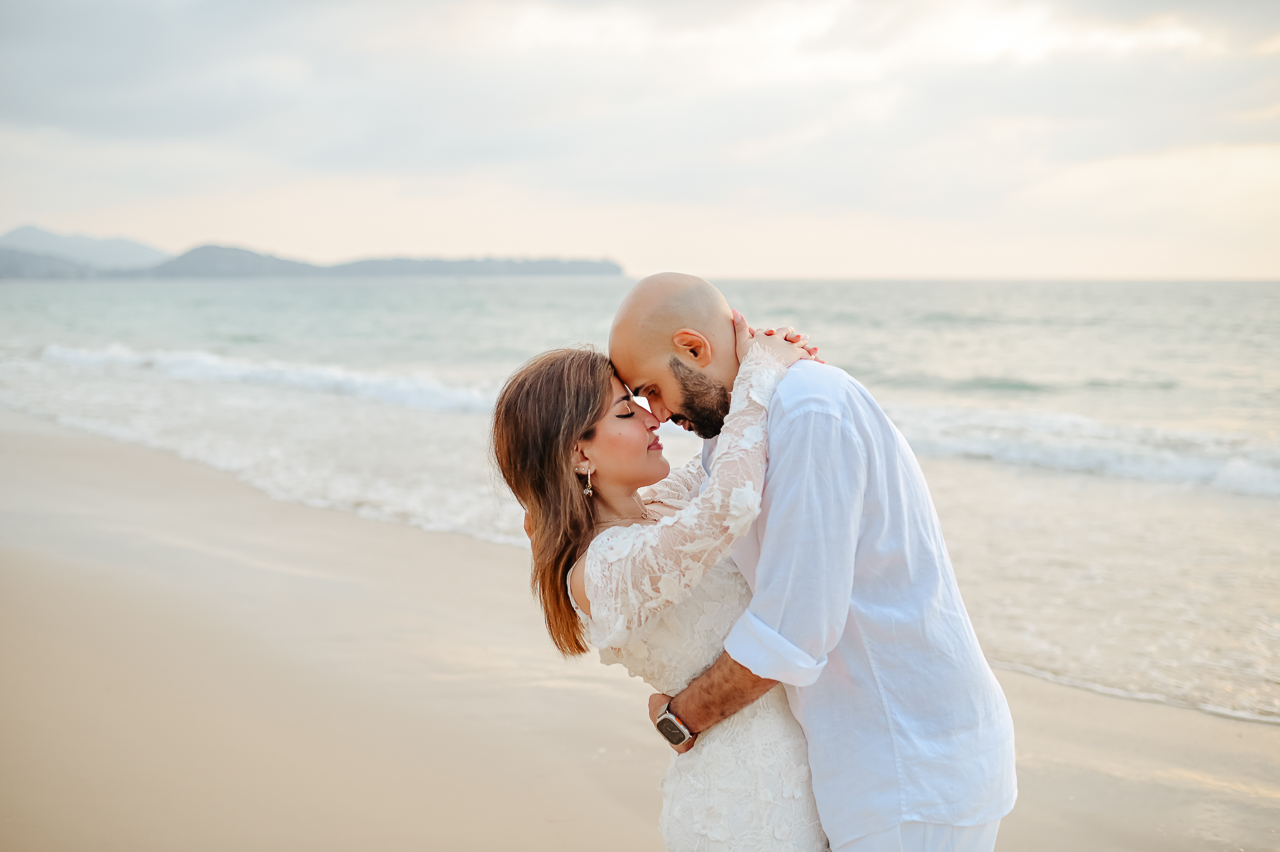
[628, 407]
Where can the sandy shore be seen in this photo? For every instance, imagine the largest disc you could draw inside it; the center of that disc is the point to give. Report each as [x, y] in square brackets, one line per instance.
[187, 664]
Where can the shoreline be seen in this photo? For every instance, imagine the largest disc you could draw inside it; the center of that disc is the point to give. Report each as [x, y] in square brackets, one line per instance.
[1123, 695]
[264, 674]
[981, 503]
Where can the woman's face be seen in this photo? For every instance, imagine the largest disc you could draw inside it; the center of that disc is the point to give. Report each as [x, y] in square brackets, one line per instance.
[625, 451]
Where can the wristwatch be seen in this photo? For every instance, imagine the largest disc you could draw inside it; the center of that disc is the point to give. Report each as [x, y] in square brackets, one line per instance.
[670, 726]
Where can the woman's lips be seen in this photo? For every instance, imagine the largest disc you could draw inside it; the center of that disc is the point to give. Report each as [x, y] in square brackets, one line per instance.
[656, 445]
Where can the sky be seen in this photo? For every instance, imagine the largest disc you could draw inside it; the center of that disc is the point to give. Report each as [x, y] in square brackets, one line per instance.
[885, 138]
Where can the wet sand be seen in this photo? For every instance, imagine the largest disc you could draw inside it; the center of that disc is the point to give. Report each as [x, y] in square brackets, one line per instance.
[188, 664]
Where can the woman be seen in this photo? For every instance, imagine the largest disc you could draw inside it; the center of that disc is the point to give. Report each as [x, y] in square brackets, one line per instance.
[634, 557]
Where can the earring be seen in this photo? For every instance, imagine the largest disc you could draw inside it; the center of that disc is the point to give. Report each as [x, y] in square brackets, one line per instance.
[587, 491]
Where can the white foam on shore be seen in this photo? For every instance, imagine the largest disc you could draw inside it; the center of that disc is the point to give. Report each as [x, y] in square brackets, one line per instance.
[418, 390]
[1134, 695]
[348, 440]
[1073, 443]
[1055, 441]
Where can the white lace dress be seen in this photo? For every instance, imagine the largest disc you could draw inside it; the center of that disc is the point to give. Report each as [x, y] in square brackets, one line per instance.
[663, 599]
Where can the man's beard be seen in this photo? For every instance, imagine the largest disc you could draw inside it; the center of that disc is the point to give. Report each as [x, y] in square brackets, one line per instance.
[706, 402]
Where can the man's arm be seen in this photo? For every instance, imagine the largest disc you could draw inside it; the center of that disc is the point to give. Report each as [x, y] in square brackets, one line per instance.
[717, 694]
[817, 474]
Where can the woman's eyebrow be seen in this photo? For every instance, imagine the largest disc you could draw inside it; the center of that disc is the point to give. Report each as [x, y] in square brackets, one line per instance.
[626, 396]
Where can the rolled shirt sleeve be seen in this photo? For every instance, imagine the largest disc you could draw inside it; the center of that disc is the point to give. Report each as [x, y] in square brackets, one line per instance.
[804, 580]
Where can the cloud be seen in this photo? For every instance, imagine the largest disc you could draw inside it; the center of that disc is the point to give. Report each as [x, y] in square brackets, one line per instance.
[915, 111]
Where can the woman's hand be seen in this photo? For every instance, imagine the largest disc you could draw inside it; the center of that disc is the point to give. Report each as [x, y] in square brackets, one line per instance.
[786, 343]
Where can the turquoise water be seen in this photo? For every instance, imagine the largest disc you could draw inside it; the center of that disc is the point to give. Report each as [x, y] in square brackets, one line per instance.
[372, 396]
[1200, 356]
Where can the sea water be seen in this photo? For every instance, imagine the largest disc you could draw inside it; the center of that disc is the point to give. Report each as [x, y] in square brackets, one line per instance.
[1105, 457]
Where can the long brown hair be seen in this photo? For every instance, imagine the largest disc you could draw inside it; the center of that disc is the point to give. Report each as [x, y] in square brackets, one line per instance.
[547, 406]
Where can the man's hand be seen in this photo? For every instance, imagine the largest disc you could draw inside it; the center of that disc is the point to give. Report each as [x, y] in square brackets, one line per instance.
[718, 693]
[656, 702]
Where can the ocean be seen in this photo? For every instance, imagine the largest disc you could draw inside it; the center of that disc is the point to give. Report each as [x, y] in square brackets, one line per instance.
[1105, 456]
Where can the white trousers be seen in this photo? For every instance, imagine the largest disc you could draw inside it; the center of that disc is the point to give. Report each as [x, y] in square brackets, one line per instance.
[926, 837]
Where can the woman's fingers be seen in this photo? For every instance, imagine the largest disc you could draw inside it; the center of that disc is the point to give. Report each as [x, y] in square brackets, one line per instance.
[798, 339]
[742, 333]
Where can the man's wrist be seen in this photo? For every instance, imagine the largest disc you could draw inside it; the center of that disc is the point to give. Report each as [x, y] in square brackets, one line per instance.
[672, 728]
[675, 710]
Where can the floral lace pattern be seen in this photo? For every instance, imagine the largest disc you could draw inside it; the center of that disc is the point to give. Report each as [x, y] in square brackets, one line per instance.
[746, 784]
[680, 486]
[663, 599]
[634, 574]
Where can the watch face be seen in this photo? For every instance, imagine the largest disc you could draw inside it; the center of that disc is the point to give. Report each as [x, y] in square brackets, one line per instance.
[672, 731]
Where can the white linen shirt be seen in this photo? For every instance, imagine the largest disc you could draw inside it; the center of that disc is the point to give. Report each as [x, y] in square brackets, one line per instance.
[855, 608]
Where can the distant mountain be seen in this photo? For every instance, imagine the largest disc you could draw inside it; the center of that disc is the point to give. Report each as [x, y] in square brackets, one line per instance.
[224, 262]
[23, 264]
[487, 266]
[101, 254]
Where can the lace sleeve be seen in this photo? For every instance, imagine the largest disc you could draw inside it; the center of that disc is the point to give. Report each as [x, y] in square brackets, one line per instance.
[634, 574]
[681, 484]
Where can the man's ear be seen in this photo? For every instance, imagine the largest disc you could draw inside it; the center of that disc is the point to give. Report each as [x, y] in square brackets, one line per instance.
[695, 344]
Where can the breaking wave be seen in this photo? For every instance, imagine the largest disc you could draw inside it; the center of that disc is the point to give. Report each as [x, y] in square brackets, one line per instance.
[1056, 441]
[418, 390]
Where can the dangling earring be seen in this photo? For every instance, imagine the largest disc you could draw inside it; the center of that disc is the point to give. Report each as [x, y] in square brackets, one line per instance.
[587, 491]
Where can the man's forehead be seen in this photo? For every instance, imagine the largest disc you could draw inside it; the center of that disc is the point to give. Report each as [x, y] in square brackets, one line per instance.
[639, 362]
[636, 375]
[624, 366]
[634, 382]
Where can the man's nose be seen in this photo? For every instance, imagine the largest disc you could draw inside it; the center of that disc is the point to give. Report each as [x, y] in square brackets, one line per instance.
[660, 411]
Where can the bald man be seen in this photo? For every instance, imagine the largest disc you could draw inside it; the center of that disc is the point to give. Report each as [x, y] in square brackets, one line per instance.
[854, 602]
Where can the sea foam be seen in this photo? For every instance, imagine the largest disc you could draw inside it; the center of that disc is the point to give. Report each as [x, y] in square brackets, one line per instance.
[417, 390]
[1074, 443]
[1055, 441]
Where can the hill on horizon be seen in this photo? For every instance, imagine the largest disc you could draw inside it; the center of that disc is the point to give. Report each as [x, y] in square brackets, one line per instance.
[114, 253]
[24, 264]
[229, 262]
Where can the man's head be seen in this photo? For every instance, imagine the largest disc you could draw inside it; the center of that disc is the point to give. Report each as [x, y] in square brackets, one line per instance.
[672, 342]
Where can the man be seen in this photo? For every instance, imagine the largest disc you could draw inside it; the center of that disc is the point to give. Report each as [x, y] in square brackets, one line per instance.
[854, 603]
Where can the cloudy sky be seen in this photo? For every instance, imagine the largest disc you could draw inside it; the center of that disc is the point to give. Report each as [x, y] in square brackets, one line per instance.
[1125, 138]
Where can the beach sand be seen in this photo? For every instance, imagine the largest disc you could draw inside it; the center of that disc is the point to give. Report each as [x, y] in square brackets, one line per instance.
[188, 664]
